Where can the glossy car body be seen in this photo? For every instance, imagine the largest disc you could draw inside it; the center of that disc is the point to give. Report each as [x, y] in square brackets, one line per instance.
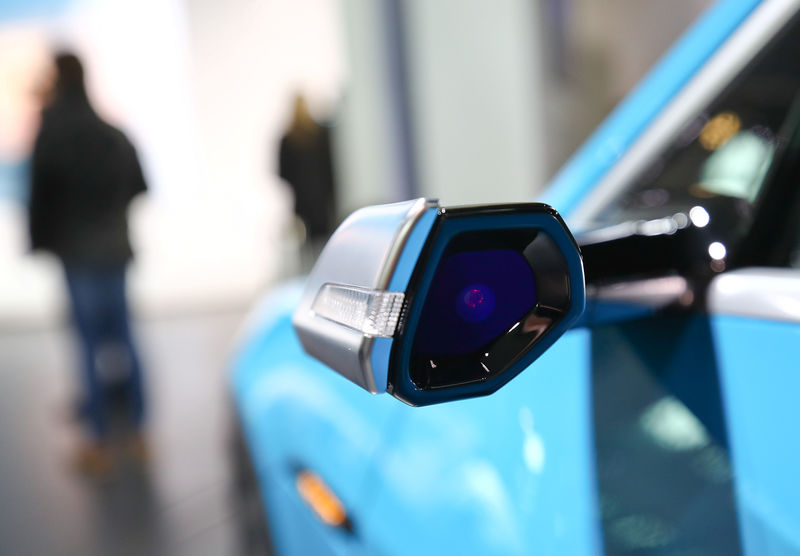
[662, 423]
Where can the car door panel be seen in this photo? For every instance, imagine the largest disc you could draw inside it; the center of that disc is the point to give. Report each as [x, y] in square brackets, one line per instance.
[755, 317]
[510, 473]
[298, 415]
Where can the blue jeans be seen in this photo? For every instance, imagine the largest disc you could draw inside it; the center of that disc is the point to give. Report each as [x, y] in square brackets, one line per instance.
[100, 314]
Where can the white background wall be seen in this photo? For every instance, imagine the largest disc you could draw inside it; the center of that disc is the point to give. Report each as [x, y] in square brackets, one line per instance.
[476, 95]
[474, 78]
[366, 156]
[203, 89]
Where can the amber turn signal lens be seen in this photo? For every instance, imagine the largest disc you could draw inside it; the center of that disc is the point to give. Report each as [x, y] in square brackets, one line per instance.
[316, 494]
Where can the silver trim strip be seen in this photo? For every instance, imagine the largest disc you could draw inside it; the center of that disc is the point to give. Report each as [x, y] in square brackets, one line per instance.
[654, 293]
[764, 293]
[710, 80]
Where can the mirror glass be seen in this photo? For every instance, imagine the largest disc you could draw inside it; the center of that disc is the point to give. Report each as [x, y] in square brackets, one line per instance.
[486, 306]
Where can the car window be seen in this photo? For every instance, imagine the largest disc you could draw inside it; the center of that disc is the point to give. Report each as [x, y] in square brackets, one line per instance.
[724, 154]
[794, 254]
[665, 484]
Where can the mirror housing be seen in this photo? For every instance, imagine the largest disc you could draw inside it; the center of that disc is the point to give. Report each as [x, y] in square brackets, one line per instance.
[433, 304]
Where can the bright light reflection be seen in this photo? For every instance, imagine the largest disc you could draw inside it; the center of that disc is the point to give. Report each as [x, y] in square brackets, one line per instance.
[671, 425]
[533, 450]
[699, 217]
[717, 251]
[681, 220]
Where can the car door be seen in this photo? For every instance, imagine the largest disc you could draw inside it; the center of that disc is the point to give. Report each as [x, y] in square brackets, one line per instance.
[513, 472]
[298, 417]
[506, 474]
[694, 396]
[755, 319]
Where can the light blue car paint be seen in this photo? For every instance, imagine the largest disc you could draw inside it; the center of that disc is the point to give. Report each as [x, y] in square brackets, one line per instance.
[296, 413]
[760, 392]
[449, 463]
[511, 473]
[619, 131]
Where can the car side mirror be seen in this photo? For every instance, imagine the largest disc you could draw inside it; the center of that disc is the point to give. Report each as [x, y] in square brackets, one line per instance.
[433, 304]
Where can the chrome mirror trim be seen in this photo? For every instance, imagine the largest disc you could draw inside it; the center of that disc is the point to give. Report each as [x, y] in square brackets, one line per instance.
[362, 255]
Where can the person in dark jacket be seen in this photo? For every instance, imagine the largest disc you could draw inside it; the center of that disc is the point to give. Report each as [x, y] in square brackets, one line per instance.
[305, 163]
[84, 173]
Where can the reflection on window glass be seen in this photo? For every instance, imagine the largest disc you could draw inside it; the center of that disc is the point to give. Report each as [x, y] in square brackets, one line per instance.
[722, 157]
[794, 254]
[664, 480]
[738, 167]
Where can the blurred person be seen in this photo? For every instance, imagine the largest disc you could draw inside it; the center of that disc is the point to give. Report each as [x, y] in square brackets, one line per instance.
[305, 163]
[84, 173]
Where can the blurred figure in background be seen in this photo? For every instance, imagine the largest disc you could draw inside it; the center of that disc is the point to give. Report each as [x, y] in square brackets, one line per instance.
[84, 174]
[305, 162]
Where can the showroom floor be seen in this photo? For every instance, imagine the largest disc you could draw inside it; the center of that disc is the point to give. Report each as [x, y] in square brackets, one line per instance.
[181, 503]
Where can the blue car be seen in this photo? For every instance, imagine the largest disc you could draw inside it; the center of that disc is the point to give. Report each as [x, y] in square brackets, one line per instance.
[482, 380]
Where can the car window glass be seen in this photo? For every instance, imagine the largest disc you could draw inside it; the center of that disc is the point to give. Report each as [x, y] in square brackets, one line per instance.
[794, 254]
[664, 479]
[724, 154]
